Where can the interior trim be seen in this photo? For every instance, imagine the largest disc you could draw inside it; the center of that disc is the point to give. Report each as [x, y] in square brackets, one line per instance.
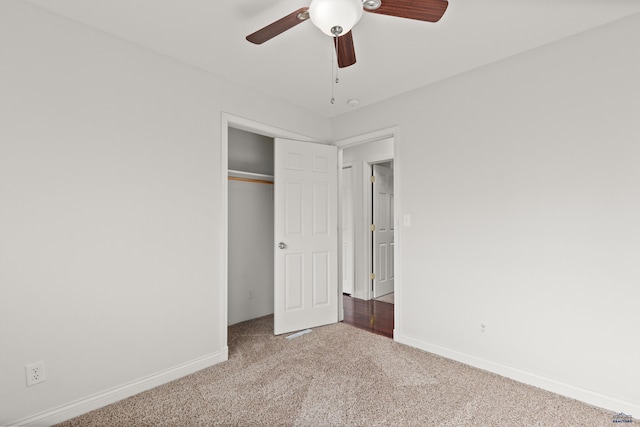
[112, 395]
[564, 389]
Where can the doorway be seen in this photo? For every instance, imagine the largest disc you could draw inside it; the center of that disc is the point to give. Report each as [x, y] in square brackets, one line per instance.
[368, 219]
[368, 240]
[305, 269]
[295, 280]
[250, 226]
[228, 122]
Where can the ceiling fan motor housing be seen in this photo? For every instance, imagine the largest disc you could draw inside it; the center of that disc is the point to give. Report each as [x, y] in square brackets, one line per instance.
[335, 17]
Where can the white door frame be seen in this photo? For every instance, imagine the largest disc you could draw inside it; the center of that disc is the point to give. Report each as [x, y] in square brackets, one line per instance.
[394, 133]
[351, 231]
[230, 120]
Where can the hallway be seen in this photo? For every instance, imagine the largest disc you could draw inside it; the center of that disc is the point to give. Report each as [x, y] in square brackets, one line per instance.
[373, 316]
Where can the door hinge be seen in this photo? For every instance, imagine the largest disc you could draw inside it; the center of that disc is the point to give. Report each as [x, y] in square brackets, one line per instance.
[373, 276]
[373, 227]
[373, 179]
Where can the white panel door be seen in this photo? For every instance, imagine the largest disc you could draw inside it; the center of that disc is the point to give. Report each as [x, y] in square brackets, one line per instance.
[383, 235]
[306, 235]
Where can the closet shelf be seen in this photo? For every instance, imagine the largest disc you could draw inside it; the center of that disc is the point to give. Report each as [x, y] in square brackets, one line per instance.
[250, 176]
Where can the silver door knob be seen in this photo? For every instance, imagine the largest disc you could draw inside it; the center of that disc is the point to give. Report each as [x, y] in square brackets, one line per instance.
[282, 245]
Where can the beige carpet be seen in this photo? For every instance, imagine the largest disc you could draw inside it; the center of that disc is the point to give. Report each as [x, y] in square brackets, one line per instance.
[386, 298]
[340, 375]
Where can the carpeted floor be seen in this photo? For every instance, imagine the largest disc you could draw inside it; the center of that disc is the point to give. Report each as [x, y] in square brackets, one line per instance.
[340, 375]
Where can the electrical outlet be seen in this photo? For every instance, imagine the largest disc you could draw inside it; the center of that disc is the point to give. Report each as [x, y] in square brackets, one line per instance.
[483, 328]
[35, 373]
[250, 294]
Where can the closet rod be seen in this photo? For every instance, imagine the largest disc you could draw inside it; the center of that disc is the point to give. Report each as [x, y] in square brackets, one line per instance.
[258, 181]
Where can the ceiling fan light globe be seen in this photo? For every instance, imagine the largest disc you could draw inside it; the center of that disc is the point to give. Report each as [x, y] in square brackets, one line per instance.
[327, 14]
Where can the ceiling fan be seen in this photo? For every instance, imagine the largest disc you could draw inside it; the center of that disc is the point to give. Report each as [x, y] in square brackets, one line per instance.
[336, 18]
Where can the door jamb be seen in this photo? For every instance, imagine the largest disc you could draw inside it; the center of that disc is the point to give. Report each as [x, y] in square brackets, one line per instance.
[344, 165]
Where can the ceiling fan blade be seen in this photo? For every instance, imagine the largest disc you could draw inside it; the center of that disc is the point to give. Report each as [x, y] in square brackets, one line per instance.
[279, 27]
[345, 50]
[421, 10]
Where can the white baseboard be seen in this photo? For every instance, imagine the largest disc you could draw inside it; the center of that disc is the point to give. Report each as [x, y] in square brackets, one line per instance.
[360, 295]
[82, 406]
[583, 395]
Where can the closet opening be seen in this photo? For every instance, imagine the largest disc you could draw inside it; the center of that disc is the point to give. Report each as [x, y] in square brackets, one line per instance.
[250, 226]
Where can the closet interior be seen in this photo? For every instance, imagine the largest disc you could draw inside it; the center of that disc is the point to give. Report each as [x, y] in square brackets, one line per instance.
[250, 226]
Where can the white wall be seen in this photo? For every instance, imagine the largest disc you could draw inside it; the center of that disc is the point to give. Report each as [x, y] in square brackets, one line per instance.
[250, 152]
[250, 251]
[251, 228]
[110, 193]
[360, 157]
[522, 179]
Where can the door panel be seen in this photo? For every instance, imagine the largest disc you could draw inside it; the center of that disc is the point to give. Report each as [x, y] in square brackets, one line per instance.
[293, 209]
[294, 265]
[306, 218]
[383, 236]
[321, 272]
[320, 206]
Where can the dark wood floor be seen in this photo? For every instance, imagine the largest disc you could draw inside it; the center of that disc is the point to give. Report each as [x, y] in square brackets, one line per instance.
[373, 316]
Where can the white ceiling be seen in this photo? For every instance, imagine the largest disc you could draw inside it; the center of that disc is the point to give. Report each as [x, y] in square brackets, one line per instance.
[394, 55]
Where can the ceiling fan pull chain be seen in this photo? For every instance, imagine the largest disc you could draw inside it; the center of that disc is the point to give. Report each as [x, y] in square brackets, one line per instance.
[337, 68]
[335, 55]
[333, 68]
